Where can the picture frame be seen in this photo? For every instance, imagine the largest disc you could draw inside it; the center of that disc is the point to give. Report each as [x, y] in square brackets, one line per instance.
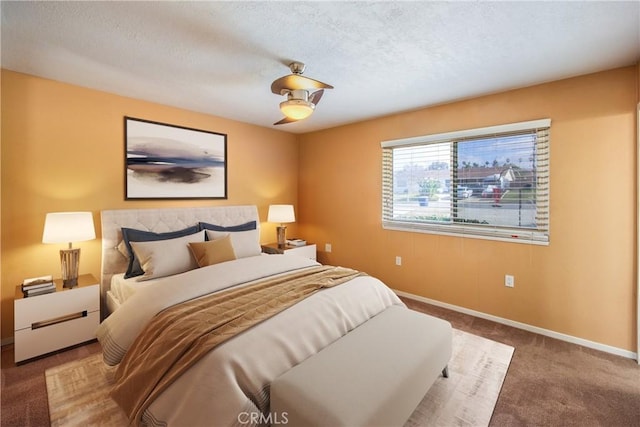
[165, 161]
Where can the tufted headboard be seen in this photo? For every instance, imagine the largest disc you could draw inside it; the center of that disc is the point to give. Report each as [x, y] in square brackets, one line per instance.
[159, 221]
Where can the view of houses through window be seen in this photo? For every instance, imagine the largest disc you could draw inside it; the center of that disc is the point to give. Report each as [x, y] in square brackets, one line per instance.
[495, 184]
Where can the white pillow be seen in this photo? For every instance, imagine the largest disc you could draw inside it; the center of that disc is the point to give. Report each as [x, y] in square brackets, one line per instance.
[161, 258]
[245, 243]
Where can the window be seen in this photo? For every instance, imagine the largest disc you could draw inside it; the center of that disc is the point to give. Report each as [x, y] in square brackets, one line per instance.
[486, 183]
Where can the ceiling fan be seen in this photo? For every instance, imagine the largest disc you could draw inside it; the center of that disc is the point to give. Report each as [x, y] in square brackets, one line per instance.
[303, 94]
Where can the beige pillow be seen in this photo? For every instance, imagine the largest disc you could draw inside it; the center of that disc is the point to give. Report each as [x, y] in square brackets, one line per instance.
[166, 257]
[122, 248]
[213, 251]
[245, 243]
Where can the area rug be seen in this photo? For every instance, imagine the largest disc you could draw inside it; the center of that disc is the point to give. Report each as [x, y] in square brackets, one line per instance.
[78, 391]
[477, 370]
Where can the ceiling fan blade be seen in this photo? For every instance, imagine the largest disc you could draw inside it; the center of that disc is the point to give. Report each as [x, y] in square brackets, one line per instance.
[294, 82]
[285, 121]
[315, 97]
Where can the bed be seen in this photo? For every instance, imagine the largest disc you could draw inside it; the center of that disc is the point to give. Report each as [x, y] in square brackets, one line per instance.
[159, 221]
[228, 385]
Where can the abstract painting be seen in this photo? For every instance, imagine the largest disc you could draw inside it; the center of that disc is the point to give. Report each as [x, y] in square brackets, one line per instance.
[173, 162]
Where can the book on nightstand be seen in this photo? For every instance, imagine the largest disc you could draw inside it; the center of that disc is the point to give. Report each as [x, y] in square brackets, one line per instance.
[38, 286]
[296, 242]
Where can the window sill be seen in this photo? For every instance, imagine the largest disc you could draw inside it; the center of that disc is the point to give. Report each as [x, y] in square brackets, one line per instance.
[470, 232]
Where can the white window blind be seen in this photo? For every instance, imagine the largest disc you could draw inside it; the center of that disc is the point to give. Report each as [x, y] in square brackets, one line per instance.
[489, 182]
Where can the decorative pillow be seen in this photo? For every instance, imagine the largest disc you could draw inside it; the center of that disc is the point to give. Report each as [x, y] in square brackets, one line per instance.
[213, 251]
[251, 225]
[161, 258]
[122, 248]
[132, 235]
[245, 243]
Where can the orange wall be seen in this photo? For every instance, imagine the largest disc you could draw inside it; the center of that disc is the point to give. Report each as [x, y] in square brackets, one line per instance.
[63, 150]
[582, 284]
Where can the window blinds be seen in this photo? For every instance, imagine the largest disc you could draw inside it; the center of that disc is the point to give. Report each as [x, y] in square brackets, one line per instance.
[487, 183]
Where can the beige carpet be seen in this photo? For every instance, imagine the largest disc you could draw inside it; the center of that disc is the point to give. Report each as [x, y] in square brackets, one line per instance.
[77, 391]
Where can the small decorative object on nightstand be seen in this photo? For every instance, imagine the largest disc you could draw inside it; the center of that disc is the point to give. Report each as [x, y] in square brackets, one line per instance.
[52, 321]
[307, 251]
[282, 214]
[67, 227]
[294, 241]
[37, 286]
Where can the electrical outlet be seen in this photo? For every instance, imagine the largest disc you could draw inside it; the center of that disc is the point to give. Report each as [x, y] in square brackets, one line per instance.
[509, 281]
[398, 260]
[327, 247]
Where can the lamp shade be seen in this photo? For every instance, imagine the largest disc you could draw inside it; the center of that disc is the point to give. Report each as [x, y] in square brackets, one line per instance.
[297, 109]
[67, 227]
[281, 214]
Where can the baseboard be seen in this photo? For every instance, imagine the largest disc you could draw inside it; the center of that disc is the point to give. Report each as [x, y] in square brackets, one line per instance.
[546, 332]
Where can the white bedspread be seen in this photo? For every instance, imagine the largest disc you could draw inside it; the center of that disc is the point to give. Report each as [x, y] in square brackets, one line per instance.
[122, 288]
[230, 386]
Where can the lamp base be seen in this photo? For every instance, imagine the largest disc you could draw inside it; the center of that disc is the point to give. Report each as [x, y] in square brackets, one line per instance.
[281, 236]
[70, 283]
[70, 260]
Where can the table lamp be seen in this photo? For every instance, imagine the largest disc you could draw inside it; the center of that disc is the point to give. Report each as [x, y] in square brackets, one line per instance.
[67, 227]
[281, 214]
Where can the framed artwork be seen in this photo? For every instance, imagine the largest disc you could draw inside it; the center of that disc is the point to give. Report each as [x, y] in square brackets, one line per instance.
[173, 162]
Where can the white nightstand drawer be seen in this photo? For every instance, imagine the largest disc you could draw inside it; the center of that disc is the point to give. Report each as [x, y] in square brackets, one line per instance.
[307, 251]
[54, 305]
[34, 342]
[56, 320]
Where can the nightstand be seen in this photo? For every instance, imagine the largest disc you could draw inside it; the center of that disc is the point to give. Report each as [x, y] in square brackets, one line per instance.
[307, 251]
[57, 320]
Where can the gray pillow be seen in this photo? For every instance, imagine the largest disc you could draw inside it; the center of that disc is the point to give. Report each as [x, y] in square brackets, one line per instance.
[247, 226]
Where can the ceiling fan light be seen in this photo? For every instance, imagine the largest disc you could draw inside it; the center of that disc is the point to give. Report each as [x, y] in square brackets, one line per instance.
[297, 109]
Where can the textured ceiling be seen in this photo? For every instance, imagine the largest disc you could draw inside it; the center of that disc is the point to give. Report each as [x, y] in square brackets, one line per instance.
[382, 57]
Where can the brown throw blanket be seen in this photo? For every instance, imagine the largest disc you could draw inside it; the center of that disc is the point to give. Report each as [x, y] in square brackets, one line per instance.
[181, 335]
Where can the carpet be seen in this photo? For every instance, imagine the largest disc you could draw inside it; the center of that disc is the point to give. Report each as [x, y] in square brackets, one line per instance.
[78, 391]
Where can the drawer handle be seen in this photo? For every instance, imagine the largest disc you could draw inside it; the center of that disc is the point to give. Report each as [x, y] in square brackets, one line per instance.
[61, 319]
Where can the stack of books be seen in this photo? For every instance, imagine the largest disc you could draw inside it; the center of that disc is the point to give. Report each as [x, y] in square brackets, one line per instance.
[38, 286]
[296, 242]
